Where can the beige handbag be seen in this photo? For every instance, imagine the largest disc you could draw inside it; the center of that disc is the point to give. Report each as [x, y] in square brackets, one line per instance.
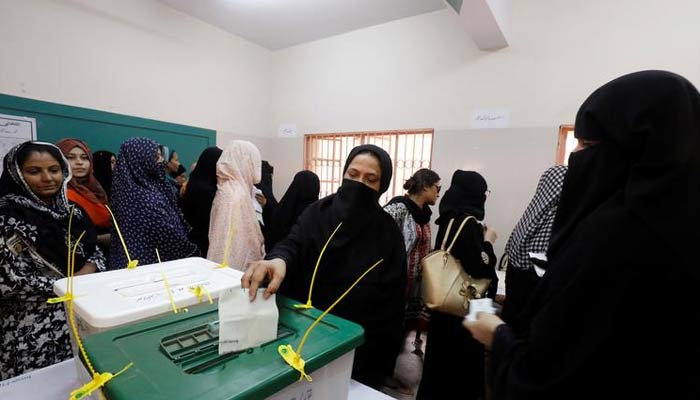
[445, 286]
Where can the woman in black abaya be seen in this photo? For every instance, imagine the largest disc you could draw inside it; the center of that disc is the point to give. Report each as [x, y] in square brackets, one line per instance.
[198, 197]
[303, 191]
[615, 315]
[450, 355]
[367, 235]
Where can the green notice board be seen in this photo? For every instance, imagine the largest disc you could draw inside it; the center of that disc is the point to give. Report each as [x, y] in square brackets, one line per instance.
[106, 131]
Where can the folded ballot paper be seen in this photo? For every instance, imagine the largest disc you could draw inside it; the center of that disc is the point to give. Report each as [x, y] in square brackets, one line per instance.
[244, 324]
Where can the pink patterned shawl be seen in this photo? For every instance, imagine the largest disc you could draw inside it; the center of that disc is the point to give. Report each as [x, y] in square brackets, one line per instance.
[237, 170]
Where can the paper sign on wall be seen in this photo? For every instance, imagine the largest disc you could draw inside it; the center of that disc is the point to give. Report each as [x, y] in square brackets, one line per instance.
[13, 131]
[287, 130]
[490, 118]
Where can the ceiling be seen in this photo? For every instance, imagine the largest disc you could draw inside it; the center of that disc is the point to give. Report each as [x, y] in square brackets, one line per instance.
[276, 24]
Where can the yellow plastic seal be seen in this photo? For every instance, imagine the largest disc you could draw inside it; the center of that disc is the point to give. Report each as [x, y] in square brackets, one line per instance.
[313, 277]
[132, 263]
[200, 291]
[98, 380]
[293, 359]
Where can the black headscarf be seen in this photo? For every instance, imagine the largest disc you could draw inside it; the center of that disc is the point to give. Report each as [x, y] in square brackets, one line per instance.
[198, 197]
[626, 226]
[384, 163]
[304, 190]
[43, 225]
[102, 169]
[466, 195]
[266, 185]
[645, 156]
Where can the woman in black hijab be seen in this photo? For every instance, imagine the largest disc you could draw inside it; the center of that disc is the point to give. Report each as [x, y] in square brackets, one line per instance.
[303, 191]
[103, 163]
[198, 197]
[367, 235]
[270, 203]
[454, 362]
[599, 324]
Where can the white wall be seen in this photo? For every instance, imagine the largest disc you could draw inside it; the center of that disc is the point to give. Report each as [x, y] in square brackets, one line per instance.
[135, 57]
[425, 72]
[140, 57]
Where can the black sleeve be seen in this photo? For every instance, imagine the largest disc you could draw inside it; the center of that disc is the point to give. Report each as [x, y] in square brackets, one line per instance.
[289, 248]
[395, 281]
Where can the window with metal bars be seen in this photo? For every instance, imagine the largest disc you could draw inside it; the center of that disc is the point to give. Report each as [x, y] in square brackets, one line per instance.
[325, 154]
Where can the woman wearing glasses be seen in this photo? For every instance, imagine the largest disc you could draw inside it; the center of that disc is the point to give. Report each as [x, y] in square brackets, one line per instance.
[412, 214]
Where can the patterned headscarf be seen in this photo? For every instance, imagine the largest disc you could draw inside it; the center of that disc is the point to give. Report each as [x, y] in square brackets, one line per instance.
[44, 225]
[145, 208]
[531, 234]
[12, 183]
[88, 186]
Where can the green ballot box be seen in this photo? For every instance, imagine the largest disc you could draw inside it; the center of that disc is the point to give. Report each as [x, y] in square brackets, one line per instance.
[176, 357]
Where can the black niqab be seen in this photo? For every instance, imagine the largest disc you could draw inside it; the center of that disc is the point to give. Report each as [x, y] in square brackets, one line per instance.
[384, 163]
[625, 228]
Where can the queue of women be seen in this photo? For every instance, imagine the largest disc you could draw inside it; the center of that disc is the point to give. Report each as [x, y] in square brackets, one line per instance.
[611, 313]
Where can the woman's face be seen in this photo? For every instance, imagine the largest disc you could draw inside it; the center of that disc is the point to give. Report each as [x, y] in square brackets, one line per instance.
[432, 193]
[174, 162]
[365, 168]
[113, 162]
[43, 175]
[79, 162]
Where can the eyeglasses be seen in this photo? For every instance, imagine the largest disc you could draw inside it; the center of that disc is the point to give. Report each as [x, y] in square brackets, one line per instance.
[488, 192]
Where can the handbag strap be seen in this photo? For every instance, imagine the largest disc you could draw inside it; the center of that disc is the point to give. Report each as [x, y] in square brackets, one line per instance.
[447, 234]
[454, 239]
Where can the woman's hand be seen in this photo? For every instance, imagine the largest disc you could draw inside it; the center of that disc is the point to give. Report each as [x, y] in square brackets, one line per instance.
[483, 328]
[262, 200]
[258, 271]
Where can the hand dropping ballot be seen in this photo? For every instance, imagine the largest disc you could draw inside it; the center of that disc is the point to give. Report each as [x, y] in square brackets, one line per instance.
[244, 324]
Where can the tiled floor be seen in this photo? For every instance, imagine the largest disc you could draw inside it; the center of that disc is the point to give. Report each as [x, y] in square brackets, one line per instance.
[408, 369]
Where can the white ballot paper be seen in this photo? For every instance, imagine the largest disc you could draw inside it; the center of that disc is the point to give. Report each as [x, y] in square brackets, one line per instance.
[244, 324]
